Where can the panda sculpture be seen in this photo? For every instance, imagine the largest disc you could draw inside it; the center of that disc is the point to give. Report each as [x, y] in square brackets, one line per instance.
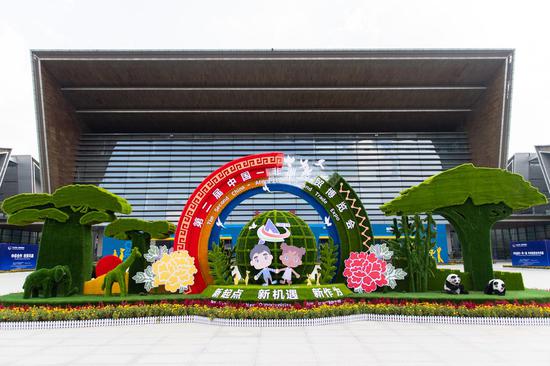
[453, 285]
[495, 287]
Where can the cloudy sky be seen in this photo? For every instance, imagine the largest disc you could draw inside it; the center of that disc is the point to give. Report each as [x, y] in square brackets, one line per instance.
[54, 24]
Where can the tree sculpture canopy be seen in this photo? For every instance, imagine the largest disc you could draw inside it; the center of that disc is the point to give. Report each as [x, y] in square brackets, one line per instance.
[472, 199]
[92, 205]
[120, 228]
[68, 215]
[454, 186]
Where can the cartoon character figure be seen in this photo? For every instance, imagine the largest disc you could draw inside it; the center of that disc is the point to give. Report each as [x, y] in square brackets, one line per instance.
[261, 258]
[291, 257]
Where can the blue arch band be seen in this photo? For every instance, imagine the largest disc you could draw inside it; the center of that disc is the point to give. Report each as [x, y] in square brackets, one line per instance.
[275, 187]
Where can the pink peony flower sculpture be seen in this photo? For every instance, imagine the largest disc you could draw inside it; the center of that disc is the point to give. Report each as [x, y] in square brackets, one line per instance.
[365, 272]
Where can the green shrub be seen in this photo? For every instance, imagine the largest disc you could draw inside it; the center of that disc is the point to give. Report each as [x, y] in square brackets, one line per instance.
[414, 238]
[328, 258]
[219, 261]
[436, 282]
[513, 280]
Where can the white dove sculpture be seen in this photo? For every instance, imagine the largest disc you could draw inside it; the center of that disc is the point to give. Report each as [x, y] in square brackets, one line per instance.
[320, 163]
[219, 223]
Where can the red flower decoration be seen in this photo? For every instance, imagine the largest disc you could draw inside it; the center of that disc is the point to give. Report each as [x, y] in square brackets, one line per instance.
[365, 272]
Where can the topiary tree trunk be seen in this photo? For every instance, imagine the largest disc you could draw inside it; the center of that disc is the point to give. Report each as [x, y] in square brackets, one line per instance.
[68, 243]
[141, 241]
[473, 226]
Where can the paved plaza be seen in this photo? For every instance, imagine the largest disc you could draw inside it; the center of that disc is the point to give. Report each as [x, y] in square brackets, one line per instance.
[361, 343]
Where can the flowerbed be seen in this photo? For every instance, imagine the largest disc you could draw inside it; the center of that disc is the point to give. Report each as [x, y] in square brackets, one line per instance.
[306, 310]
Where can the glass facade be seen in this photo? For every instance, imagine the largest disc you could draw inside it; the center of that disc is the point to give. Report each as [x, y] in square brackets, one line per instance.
[503, 234]
[157, 173]
[19, 236]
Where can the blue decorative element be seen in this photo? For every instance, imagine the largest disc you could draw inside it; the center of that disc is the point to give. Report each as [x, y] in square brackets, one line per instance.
[269, 227]
[383, 232]
[112, 244]
[530, 253]
[17, 256]
[275, 187]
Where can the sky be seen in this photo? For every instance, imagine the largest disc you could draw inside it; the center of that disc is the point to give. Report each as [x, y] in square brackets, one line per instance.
[64, 24]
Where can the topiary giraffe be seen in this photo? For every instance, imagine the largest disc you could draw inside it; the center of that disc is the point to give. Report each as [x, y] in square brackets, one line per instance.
[118, 275]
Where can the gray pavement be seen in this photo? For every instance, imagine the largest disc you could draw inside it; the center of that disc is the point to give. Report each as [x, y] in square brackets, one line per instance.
[361, 343]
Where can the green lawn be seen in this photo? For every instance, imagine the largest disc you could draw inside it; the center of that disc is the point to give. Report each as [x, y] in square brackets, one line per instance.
[17, 299]
[279, 294]
[474, 296]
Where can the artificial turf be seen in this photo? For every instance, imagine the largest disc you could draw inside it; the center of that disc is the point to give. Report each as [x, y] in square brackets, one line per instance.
[17, 299]
[540, 296]
[304, 294]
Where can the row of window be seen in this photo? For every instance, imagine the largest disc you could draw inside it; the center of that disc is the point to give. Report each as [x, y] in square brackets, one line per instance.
[157, 183]
[19, 236]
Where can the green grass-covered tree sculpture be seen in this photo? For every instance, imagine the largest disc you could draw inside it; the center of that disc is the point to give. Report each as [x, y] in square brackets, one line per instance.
[140, 233]
[68, 215]
[472, 199]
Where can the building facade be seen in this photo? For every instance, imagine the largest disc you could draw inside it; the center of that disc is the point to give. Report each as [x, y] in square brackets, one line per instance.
[150, 125]
[21, 174]
[533, 223]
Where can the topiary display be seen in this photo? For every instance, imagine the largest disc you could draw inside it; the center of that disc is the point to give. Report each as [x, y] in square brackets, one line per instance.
[472, 199]
[140, 233]
[328, 258]
[219, 261]
[118, 275]
[412, 244]
[49, 282]
[68, 215]
[300, 236]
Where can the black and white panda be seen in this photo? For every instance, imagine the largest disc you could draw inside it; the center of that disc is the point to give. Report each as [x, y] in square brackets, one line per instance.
[495, 287]
[453, 285]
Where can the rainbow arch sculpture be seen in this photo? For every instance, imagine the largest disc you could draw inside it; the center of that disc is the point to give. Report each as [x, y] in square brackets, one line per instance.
[221, 191]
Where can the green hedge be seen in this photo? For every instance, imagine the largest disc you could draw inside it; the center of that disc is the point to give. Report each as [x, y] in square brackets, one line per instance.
[513, 280]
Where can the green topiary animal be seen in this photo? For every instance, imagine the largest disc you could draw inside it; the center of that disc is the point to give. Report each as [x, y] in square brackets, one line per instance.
[140, 233]
[118, 275]
[50, 282]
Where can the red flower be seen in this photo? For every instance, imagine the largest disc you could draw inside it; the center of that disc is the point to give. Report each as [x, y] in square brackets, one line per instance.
[365, 272]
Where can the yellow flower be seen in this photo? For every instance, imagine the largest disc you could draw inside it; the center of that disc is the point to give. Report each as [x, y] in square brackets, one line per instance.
[175, 270]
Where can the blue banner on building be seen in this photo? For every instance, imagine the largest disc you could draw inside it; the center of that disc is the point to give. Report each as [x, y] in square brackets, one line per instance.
[18, 256]
[439, 251]
[530, 253]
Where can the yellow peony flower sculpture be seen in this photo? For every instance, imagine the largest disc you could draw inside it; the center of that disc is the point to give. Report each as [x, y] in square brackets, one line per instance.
[175, 271]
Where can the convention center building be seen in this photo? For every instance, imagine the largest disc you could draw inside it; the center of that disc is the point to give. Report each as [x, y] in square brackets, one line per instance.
[151, 125]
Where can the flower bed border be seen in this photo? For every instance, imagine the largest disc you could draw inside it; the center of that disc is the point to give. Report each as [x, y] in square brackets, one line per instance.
[274, 322]
[285, 314]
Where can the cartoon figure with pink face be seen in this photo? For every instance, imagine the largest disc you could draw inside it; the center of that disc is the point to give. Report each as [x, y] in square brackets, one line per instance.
[291, 257]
